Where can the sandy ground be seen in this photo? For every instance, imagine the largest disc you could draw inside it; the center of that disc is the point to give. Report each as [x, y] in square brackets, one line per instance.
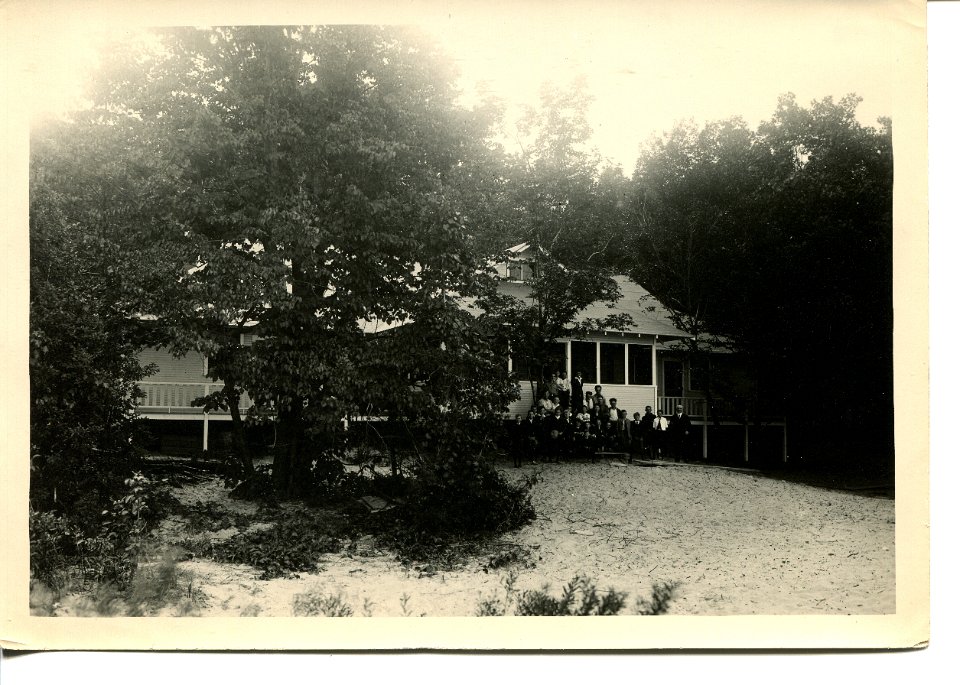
[736, 543]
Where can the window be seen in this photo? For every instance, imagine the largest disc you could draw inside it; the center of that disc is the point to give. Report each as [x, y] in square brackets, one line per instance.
[672, 378]
[612, 363]
[584, 357]
[515, 271]
[521, 367]
[640, 366]
[698, 375]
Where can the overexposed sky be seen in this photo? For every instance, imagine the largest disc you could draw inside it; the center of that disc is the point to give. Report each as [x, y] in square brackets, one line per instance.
[648, 64]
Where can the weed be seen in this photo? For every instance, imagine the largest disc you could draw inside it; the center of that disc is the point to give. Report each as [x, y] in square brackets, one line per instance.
[514, 555]
[251, 610]
[315, 604]
[659, 603]
[578, 598]
[290, 546]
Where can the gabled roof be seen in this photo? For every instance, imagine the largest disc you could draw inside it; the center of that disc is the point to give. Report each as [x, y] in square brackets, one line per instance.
[649, 316]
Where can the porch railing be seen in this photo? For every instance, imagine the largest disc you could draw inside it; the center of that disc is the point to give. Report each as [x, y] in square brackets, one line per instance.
[720, 409]
[159, 395]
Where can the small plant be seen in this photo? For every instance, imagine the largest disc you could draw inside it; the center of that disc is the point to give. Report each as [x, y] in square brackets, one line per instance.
[578, 598]
[659, 603]
[52, 542]
[512, 556]
[316, 604]
[290, 546]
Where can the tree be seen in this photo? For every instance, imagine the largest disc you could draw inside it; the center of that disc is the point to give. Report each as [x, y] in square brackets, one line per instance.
[779, 239]
[556, 197]
[83, 346]
[300, 179]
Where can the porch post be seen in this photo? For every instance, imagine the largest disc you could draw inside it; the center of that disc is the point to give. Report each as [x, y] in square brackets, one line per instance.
[596, 360]
[705, 422]
[569, 367]
[206, 421]
[653, 362]
[784, 440]
[626, 363]
[746, 440]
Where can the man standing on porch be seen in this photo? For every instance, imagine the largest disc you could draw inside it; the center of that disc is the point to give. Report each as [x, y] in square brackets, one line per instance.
[576, 392]
[658, 433]
[563, 390]
[680, 430]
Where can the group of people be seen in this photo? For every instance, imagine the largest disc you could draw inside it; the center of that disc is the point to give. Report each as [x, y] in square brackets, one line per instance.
[568, 422]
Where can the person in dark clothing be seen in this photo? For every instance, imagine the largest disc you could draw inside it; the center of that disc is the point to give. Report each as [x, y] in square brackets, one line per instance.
[576, 393]
[539, 426]
[646, 430]
[679, 432]
[636, 434]
[553, 431]
[516, 439]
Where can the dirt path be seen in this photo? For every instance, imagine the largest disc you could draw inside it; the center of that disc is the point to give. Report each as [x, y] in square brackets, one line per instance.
[736, 543]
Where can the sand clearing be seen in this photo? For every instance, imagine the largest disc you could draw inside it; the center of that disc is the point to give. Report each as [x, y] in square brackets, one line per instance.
[735, 542]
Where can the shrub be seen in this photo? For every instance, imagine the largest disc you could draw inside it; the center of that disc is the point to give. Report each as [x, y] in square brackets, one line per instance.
[52, 546]
[578, 598]
[290, 546]
[315, 604]
[659, 603]
[466, 495]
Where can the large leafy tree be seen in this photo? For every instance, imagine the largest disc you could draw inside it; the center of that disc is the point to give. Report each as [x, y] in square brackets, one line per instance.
[307, 180]
[780, 240]
[84, 338]
[556, 196]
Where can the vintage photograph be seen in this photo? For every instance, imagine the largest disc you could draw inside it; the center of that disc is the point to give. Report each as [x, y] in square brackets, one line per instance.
[543, 312]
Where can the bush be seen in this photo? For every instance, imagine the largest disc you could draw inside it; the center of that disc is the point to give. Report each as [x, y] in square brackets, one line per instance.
[316, 604]
[289, 546]
[60, 549]
[52, 546]
[466, 495]
[578, 598]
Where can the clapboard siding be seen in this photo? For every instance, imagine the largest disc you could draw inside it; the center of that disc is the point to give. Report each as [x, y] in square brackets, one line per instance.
[170, 369]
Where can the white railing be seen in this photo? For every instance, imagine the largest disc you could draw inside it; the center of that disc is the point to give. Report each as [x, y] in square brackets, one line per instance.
[159, 395]
[694, 406]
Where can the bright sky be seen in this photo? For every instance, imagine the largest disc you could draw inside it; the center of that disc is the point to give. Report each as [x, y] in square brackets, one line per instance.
[648, 64]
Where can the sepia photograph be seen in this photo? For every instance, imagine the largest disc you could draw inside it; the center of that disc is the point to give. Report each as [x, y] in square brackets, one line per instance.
[469, 316]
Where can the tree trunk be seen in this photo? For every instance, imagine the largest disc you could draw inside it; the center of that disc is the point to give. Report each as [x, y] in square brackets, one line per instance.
[239, 437]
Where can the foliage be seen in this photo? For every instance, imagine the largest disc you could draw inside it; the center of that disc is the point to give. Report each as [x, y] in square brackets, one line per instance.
[83, 363]
[152, 587]
[306, 182]
[316, 604]
[52, 542]
[291, 545]
[61, 552]
[659, 602]
[465, 495]
[578, 598]
[779, 239]
[558, 202]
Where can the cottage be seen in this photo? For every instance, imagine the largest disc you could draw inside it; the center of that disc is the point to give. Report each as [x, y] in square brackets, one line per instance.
[647, 364]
